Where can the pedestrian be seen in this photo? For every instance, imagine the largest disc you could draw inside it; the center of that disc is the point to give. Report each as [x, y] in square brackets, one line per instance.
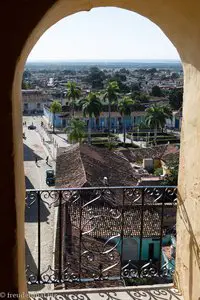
[47, 160]
[36, 160]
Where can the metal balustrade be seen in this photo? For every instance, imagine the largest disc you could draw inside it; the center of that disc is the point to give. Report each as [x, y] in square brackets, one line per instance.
[96, 234]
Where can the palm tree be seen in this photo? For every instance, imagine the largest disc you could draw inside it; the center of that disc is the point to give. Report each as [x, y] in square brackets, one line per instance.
[156, 117]
[111, 95]
[168, 112]
[76, 131]
[124, 108]
[55, 107]
[73, 93]
[91, 106]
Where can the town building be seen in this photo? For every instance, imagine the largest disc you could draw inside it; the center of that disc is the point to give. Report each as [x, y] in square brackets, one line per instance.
[33, 101]
[62, 120]
[80, 166]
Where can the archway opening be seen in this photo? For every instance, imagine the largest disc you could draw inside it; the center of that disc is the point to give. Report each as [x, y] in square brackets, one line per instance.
[126, 89]
[181, 24]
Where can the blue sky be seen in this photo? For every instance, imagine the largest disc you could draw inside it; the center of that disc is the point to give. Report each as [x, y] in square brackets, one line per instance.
[103, 33]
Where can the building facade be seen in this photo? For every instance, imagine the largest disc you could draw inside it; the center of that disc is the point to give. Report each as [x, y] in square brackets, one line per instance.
[33, 101]
[62, 120]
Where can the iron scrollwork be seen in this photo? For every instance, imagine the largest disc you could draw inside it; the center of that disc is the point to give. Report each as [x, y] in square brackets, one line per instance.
[92, 226]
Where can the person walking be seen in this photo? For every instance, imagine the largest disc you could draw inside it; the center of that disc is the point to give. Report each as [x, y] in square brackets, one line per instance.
[47, 160]
[36, 160]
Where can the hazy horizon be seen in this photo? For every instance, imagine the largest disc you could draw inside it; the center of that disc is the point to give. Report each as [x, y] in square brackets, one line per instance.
[102, 60]
[104, 64]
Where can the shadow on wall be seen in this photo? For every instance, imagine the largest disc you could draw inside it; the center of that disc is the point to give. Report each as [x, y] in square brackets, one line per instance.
[194, 248]
[154, 292]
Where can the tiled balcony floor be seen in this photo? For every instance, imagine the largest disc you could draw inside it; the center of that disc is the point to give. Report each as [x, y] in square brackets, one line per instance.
[155, 292]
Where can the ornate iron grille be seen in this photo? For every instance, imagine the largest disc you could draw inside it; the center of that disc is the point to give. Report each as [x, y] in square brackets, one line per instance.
[89, 235]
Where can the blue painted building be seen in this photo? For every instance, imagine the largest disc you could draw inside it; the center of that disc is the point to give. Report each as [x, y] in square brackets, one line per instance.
[58, 121]
[101, 123]
[150, 250]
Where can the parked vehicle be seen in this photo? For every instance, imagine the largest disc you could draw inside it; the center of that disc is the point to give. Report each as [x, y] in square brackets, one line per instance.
[50, 177]
[32, 127]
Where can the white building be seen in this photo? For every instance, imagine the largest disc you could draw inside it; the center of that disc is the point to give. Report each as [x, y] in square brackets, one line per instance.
[33, 101]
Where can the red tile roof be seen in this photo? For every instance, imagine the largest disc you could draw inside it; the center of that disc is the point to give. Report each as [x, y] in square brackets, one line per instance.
[82, 165]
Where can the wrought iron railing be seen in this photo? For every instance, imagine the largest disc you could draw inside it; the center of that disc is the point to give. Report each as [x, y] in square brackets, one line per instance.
[88, 235]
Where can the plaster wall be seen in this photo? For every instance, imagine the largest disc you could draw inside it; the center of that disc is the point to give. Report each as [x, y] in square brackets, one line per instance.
[188, 225]
[22, 23]
[32, 107]
[49, 115]
[131, 248]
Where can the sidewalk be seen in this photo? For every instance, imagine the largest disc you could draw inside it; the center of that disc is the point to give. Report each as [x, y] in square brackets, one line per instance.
[52, 141]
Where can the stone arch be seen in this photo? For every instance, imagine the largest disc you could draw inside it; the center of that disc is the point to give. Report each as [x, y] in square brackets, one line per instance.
[179, 20]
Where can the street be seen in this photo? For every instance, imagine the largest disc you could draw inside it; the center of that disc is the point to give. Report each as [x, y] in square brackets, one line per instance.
[33, 147]
[35, 178]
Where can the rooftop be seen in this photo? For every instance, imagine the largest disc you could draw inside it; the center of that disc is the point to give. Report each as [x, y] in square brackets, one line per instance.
[156, 152]
[85, 165]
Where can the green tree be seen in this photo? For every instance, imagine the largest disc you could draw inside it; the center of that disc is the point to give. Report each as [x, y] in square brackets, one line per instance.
[167, 111]
[172, 178]
[174, 75]
[124, 71]
[111, 95]
[55, 107]
[120, 76]
[176, 99]
[96, 78]
[73, 93]
[156, 117]
[135, 87]
[26, 79]
[91, 106]
[76, 131]
[142, 98]
[124, 107]
[25, 85]
[137, 106]
[156, 91]
[27, 75]
[123, 87]
[151, 71]
[143, 125]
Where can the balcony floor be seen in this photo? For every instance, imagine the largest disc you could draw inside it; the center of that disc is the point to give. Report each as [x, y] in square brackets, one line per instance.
[154, 292]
